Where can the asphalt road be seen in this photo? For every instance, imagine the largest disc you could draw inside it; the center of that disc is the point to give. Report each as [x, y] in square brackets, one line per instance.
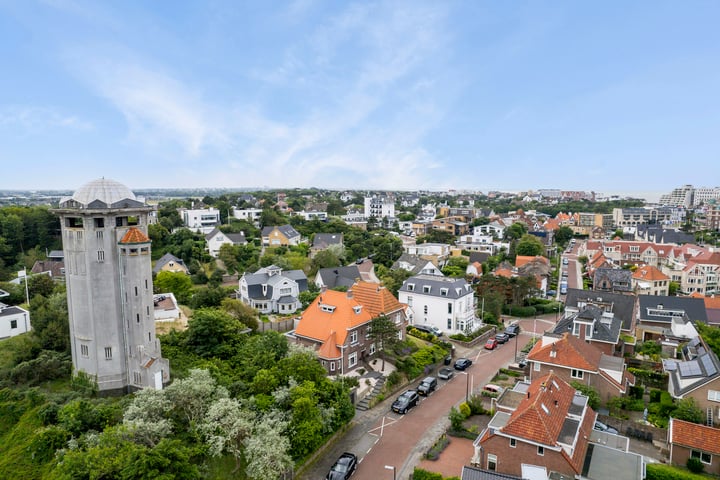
[383, 440]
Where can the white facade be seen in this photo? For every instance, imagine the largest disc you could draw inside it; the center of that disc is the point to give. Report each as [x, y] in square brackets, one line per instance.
[203, 221]
[443, 302]
[252, 215]
[109, 288]
[379, 207]
[13, 321]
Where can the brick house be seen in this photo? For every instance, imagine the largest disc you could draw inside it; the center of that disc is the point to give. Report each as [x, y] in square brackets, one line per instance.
[574, 360]
[687, 440]
[696, 376]
[546, 431]
[337, 324]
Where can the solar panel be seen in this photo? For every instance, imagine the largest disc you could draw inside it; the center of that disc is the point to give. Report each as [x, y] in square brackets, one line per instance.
[707, 362]
[690, 369]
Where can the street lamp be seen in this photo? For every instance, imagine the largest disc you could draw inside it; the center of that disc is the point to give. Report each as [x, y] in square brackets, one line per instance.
[391, 467]
[467, 385]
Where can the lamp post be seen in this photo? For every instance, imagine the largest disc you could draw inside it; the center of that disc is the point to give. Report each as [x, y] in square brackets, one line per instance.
[467, 385]
[391, 467]
[516, 342]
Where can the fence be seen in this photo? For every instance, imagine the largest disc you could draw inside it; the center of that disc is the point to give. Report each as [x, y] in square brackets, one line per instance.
[277, 325]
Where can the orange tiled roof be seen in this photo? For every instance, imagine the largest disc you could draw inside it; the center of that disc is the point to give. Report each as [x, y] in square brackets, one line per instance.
[329, 350]
[375, 298]
[521, 260]
[696, 436]
[569, 351]
[135, 235]
[503, 272]
[648, 272]
[331, 312]
[538, 418]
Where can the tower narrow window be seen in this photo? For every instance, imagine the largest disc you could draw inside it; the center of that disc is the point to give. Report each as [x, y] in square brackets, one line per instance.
[108, 353]
[136, 291]
[137, 317]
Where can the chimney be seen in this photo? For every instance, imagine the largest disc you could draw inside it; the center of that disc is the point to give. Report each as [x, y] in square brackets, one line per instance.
[323, 289]
[349, 293]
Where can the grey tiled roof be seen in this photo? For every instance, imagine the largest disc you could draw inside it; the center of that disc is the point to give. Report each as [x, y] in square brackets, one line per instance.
[603, 330]
[698, 367]
[324, 240]
[618, 278]
[255, 282]
[339, 276]
[652, 305]
[165, 259]
[286, 230]
[622, 306]
[457, 287]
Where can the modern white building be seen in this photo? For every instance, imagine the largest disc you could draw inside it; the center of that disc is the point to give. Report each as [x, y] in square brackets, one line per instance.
[13, 320]
[379, 207]
[109, 287]
[203, 220]
[251, 215]
[443, 302]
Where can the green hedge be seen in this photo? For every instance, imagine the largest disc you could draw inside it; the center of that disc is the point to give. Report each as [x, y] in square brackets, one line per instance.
[658, 471]
[515, 311]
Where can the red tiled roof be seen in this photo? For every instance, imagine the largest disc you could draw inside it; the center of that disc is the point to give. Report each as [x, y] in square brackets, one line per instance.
[540, 415]
[569, 351]
[331, 312]
[696, 436]
[648, 272]
[135, 235]
[375, 298]
[329, 350]
[521, 260]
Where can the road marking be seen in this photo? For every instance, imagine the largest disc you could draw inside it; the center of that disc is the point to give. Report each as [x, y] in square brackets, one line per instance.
[382, 425]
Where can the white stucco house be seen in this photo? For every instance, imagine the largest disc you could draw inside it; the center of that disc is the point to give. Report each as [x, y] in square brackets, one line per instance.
[272, 290]
[13, 321]
[443, 302]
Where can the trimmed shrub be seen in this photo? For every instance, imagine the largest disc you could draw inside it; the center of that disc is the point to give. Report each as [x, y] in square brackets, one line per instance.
[695, 465]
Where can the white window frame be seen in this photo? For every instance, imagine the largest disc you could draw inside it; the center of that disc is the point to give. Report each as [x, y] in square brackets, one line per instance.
[714, 395]
[541, 451]
[701, 455]
[492, 460]
[513, 443]
[536, 366]
[353, 337]
[352, 360]
[578, 374]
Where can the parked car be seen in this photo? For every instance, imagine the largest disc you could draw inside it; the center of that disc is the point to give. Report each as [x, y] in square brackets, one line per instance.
[491, 344]
[604, 428]
[502, 337]
[428, 329]
[343, 467]
[405, 401]
[492, 388]
[462, 363]
[551, 293]
[446, 373]
[427, 385]
[565, 261]
[513, 329]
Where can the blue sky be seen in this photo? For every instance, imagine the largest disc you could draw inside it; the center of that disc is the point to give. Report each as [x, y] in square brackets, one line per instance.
[485, 95]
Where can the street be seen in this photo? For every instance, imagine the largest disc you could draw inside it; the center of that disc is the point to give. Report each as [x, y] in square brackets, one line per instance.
[384, 440]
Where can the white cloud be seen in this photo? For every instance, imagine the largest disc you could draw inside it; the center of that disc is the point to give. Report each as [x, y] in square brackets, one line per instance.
[366, 127]
[33, 119]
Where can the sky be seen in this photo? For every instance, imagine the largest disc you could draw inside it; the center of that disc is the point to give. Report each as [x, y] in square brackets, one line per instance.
[608, 96]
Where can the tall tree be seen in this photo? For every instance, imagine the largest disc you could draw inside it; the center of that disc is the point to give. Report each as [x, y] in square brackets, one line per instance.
[384, 333]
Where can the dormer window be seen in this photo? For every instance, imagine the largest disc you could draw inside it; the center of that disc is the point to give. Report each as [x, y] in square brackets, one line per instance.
[426, 288]
[327, 308]
[443, 292]
[357, 309]
[411, 287]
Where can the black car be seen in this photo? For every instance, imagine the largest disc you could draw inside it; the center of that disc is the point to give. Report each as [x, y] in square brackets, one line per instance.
[513, 329]
[502, 337]
[445, 373]
[343, 467]
[462, 363]
[427, 385]
[405, 401]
